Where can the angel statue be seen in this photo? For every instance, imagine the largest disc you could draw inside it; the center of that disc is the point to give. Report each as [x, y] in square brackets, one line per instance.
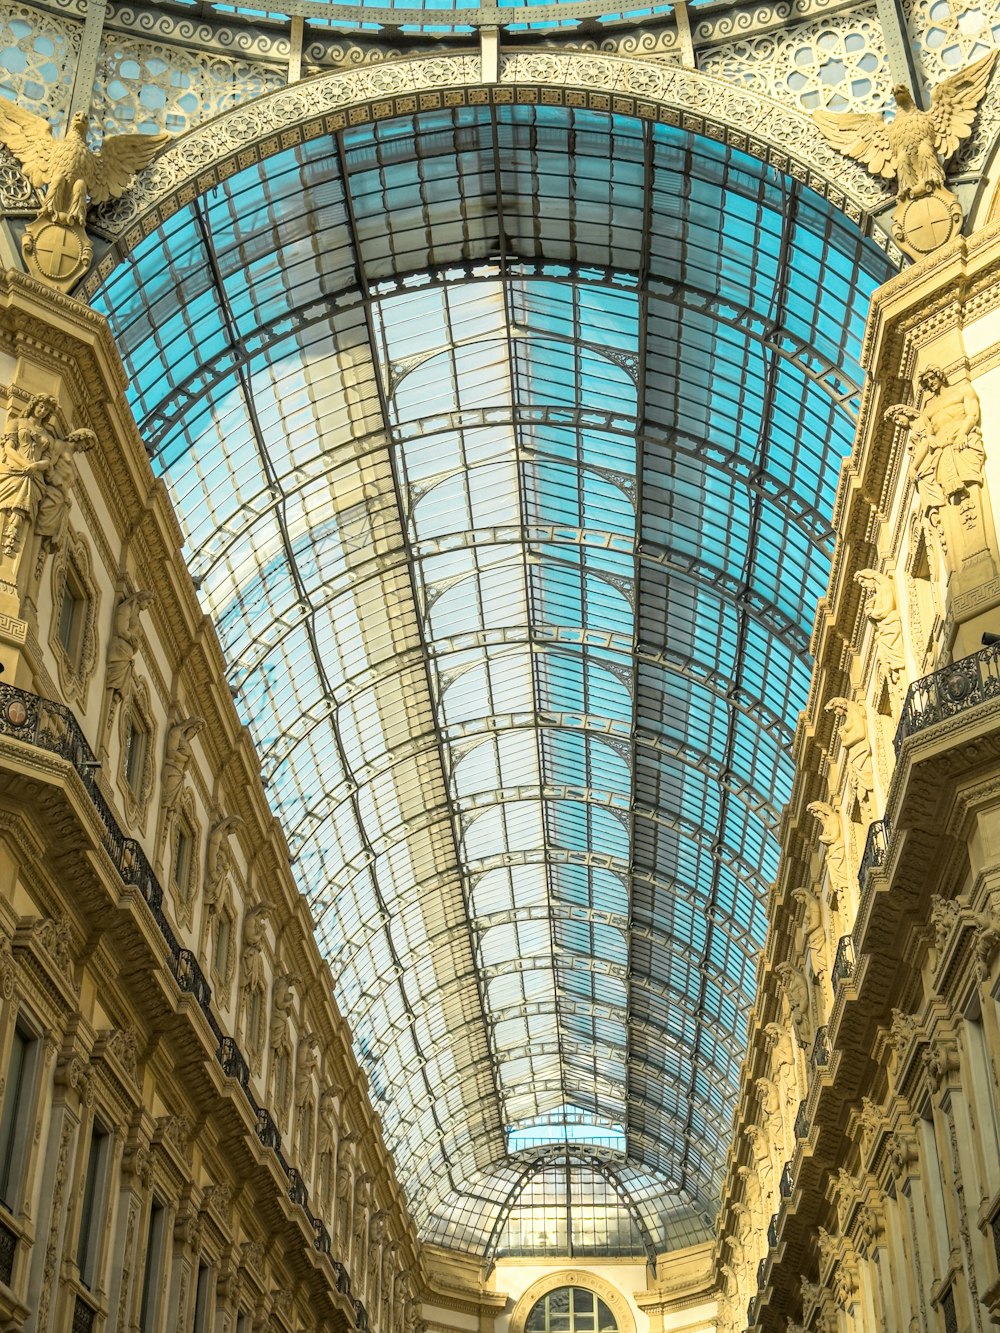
[66, 168]
[913, 147]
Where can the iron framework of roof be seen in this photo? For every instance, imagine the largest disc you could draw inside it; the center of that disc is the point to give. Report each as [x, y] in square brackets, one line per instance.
[504, 442]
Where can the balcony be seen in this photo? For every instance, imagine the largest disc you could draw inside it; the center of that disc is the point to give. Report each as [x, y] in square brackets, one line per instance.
[785, 1184]
[876, 848]
[802, 1121]
[48, 726]
[820, 1057]
[954, 689]
[844, 962]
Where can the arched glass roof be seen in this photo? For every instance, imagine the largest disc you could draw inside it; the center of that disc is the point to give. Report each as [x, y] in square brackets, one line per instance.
[504, 443]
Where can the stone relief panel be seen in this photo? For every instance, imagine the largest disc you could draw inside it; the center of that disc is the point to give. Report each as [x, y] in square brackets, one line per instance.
[837, 63]
[145, 86]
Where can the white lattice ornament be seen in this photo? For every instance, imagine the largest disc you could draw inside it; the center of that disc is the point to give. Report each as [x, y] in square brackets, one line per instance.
[149, 86]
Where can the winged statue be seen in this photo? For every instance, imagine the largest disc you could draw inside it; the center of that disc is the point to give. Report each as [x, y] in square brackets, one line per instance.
[66, 168]
[915, 146]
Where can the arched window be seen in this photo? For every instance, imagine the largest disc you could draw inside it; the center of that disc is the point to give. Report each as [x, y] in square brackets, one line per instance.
[570, 1310]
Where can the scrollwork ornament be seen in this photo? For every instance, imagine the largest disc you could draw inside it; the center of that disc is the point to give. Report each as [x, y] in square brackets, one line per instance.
[944, 914]
[8, 970]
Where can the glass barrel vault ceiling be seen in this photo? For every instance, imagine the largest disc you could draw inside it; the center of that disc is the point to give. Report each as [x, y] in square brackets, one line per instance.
[504, 442]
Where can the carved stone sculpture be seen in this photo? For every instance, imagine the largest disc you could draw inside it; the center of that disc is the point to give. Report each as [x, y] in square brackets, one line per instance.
[832, 839]
[913, 148]
[218, 856]
[944, 914]
[305, 1067]
[66, 168]
[177, 758]
[986, 940]
[947, 459]
[282, 999]
[329, 1122]
[254, 931]
[36, 474]
[796, 990]
[126, 634]
[881, 610]
[813, 931]
[857, 747]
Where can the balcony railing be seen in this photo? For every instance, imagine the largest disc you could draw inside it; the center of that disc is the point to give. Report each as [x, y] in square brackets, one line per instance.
[876, 848]
[843, 963]
[761, 1274]
[50, 726]
[820, 1056]
[785, 1185]
[772, 1232]
[954, 689]
[802, 1121]
[8, 1249]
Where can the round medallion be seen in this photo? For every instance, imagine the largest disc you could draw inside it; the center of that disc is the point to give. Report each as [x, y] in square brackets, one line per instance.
[928, 223]
[16, 713]
[58, 251]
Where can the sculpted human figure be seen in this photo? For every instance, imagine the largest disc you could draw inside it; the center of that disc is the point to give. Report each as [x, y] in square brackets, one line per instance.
[177, 757]
[305, 1067]
[832, 839]
[329, 1122]
[882, 611]
[52, 520]
[27, 449]
[282, 999]
[254, 932]
[946, 446]
[126, 634]
[796, 989]
[218, 857]
[813, 931]
[857, 748]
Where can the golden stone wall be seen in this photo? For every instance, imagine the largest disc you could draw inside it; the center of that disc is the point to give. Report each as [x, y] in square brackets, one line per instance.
[195, 1147]
[864, 1183]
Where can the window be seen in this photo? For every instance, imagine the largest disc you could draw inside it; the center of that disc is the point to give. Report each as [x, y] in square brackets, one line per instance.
[183, 859]
[571, 1310]
[282, 1080]
[202, 1300]
[16, 1114]
[92, 1210]
[153, 1269]
[72, 617]
[255, 1018]
[136, 741]
[221, 954]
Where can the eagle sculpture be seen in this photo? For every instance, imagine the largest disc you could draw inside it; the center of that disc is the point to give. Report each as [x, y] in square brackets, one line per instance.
[67, 168]
[915, 145]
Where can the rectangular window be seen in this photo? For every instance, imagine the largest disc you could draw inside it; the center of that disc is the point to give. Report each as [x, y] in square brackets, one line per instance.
[154, 1266]
[202, 1299]
[15, 1117]
[136, 740]
[223, 936]
[72, 616]
[182, 860]
[92, 1209]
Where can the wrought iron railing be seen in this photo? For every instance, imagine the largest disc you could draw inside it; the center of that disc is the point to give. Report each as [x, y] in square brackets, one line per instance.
[8, 1249]
[84, 1316]
[802, 1121]
[820, 1056]
[843, 963]
[785, 1184]
[962, 685]
[772, 1232]
[761, 1274]
[876, 848]
[51, 726]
